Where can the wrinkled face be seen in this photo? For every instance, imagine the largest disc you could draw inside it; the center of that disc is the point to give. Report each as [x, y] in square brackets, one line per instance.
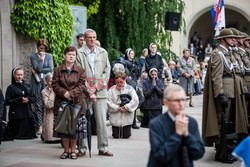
[153, 74]
[186, 54]
[80, 41]
[90, 39]
[153, 48]
[70, 57]
[49, 82]
[176, 103]
[41, 48]
[18, 75]
[119, 83]
[131, 55]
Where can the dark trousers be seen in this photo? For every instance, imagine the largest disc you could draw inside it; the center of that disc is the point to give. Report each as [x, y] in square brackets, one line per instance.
[121, 132]
[149, 114]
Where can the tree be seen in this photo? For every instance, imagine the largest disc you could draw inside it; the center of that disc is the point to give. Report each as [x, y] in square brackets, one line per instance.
[134, 24]
[50, 19]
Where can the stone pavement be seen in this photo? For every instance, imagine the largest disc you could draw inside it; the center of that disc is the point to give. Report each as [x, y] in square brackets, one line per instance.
[131, 152]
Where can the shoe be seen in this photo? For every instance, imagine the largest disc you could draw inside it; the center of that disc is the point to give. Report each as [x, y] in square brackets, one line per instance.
[73, 155]
[227, 158]
[191, 105]
[107, 153]
[64, 155]
[135, 127]
[81, 154]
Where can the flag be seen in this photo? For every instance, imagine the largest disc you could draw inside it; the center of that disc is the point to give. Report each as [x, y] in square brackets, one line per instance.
[218, 16]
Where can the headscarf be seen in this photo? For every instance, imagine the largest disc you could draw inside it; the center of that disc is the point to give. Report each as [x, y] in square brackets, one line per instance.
[13, 80]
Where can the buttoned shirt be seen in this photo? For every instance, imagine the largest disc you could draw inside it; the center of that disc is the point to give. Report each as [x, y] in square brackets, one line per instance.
[91, 55]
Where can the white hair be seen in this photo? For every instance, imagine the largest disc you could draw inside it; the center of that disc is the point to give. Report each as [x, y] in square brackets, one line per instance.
[168, 92]
[118, 67]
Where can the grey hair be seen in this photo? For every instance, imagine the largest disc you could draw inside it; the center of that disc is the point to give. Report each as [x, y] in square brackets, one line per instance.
[47, 77]
[88, 31]
[168, 92]
[118, 67]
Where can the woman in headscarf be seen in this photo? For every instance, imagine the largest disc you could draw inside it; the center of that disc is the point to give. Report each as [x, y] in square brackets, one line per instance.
[153, 93]
[19, 97]
[42, 63]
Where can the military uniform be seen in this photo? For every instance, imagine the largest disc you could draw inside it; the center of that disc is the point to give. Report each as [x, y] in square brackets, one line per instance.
[221, 83]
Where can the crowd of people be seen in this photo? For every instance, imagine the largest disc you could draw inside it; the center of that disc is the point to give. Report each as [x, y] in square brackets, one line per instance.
[88, 83]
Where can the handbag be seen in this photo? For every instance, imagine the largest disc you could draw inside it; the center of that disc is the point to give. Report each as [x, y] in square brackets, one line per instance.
[67, 118]
[125, 99]
[5, 134]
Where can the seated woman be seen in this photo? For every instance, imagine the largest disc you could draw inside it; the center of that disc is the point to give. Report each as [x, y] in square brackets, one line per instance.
[68, 83]
[121, 109]
[19, 97]
[48, 117]
[153, 94]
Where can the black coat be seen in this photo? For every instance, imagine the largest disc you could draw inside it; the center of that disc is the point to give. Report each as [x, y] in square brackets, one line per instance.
[14, 95]
[166, 144]
[154, 61]
[153, 94]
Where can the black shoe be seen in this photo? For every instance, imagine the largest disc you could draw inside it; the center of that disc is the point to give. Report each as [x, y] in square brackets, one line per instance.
[227, 158]
[135, 127]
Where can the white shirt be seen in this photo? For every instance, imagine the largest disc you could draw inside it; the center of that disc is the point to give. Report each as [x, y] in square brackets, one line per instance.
[171, 116]
[91, 55]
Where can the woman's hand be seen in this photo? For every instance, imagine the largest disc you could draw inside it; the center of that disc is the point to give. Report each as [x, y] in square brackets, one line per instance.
[41, 55]
[67, 95]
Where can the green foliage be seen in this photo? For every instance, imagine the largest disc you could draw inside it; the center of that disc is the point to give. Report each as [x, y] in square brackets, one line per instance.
[135, 24]
[50, 19]
[92, 6]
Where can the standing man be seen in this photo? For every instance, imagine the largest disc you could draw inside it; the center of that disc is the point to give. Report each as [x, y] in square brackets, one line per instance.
[174, 137]
[222, 99]
[95, 61]
[80, 41]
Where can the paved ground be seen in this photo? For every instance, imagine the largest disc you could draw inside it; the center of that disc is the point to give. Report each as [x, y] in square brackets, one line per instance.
[131, 152]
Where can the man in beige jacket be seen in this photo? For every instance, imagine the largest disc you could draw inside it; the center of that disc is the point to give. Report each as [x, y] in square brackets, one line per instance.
[95, 61]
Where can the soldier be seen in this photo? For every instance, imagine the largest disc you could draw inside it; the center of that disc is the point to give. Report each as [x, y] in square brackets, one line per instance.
[245, 50]
[222, 97]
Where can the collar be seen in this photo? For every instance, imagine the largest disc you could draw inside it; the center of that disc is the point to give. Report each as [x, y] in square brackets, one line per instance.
[223, 47]
[89, 51]
[172, 117]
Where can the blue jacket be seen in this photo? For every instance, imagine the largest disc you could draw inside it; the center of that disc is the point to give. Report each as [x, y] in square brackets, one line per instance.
[166, 144]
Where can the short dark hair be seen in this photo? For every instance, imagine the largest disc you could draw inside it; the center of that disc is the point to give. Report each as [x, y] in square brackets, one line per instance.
[70, 49]
[79, 35]
[121, 75]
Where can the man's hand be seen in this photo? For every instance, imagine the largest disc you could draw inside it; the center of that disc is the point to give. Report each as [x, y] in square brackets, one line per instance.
[181, 125]
[93, 98]
[224, 100]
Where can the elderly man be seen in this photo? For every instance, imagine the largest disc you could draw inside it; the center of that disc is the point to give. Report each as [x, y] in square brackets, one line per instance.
[174, 136]
[96, 63]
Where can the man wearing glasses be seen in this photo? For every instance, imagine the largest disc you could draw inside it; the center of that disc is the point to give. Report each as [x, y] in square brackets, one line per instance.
[174, 137]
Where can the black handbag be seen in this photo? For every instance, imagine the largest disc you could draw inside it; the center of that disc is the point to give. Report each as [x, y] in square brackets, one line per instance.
[67, 118]
[5, 134]
[125, 99]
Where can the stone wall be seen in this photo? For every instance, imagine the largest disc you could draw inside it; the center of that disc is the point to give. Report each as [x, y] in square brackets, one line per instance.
[26, 48]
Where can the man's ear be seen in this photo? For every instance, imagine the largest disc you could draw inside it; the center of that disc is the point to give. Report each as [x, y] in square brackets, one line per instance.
[165, 102]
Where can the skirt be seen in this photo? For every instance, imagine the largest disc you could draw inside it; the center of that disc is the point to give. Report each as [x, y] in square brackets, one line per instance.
[81, 130]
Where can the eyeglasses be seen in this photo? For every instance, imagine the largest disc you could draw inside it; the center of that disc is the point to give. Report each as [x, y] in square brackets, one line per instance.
[178, 100]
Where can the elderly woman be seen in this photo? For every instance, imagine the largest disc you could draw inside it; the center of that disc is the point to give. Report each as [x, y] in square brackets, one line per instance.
[42, 63]
[186, 68]
[48, 119]
[122, 103]
[19, 97]
[153, 94]
[68, 83]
